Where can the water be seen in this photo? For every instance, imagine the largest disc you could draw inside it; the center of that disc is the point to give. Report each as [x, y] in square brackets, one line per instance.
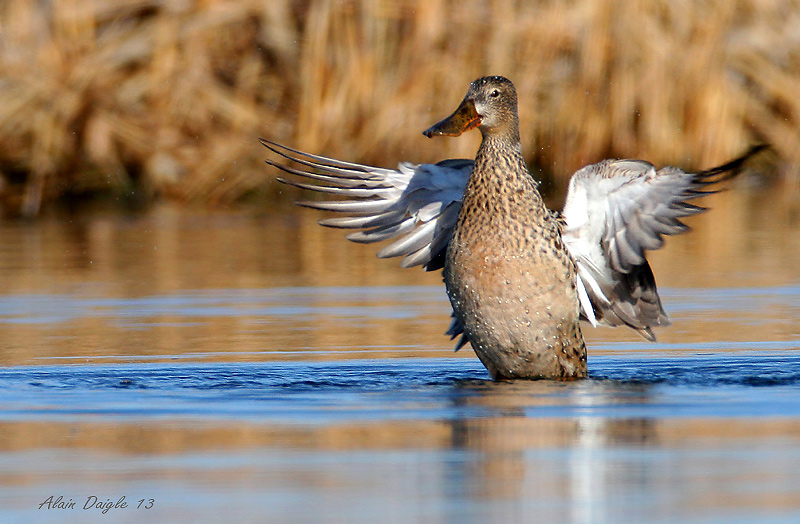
[240, 367]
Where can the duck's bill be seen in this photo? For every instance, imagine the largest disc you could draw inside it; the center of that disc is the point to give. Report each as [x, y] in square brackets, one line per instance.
[464, 119]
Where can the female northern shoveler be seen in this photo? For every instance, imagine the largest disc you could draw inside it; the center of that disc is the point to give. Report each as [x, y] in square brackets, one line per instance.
[519, 276]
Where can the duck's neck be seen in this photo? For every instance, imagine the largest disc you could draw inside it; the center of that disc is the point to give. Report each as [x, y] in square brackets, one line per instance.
[500, 175]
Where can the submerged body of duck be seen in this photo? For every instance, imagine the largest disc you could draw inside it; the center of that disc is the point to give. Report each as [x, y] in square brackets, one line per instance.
[519, 276]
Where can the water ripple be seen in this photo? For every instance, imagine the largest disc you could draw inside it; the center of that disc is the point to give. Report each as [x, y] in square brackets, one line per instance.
[748, 384]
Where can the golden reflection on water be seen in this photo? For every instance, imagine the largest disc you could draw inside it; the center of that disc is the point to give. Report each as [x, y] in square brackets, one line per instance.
[582, 466]
[496, 434]
[747, 240]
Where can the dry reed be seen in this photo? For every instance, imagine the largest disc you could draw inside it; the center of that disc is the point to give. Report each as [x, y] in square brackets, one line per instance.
[170, 95]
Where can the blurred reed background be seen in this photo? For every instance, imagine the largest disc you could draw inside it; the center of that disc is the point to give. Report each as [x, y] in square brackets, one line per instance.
[167, 97]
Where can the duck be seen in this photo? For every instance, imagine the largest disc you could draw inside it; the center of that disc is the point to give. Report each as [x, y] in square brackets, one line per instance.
[520, 277]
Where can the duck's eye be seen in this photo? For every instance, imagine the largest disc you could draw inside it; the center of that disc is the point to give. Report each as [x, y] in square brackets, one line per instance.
[495, 93]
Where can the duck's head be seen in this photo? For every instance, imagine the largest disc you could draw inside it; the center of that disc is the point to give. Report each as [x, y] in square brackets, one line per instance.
[490, 105]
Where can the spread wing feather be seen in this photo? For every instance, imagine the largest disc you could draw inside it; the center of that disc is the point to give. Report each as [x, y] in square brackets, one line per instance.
[416, 205]
[615, 211]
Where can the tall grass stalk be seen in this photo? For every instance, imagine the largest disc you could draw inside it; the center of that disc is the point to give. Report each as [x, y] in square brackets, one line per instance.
[169, 96]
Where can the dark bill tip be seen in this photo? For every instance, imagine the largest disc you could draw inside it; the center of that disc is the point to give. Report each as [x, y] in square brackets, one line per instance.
[464, 119]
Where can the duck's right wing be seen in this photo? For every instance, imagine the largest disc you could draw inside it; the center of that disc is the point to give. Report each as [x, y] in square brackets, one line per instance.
[416, 205]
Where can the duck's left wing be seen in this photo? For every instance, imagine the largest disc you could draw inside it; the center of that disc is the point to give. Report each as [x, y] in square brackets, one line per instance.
[615, 211]
[416, 205]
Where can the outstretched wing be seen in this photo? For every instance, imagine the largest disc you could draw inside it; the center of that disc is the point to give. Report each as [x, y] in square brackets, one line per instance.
[416, 205]
[615, 211]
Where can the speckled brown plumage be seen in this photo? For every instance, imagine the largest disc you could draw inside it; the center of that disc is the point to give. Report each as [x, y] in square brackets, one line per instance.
[509, 277]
